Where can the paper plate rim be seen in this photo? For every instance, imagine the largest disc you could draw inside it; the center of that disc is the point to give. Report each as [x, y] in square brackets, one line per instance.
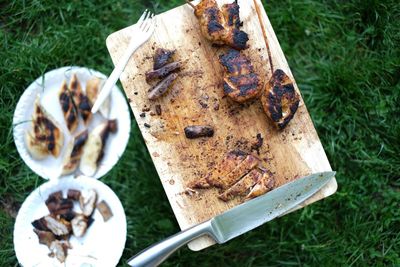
[66, 183]
[20, 112]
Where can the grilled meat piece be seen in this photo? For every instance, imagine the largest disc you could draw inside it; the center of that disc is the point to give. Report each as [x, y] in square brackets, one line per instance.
[241, 83]
[45, 138]
[59, 206]
[105, 210]
[40, 224]
[265, 184]
[221, 26]
[162, 87]
[236, 174]
[161, 57]
[59, 249]
[198, 131]
[58, 227]
[74, 153]
[74, 194]
[254, 184]
[279, 99]
[49, 223]
[243, 186]
[227, 165]
[81, 101]
[68, 108]
[163, 71]
[93, 150]
[68, 215]
[53, 201]
[45, 238]
[87, 202]
[79, 225]
[231, 14]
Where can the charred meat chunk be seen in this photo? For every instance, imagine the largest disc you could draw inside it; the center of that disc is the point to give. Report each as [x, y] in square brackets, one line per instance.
[162, 87]
[238, 172]
[45, 237]
[163, 71]
[87, 202]
[73, 194]
[221, 26]
[79, 225]
[58, 205]
[241, 83]
[105, 210]
[49, 223]
[59, 249]
[53, 199]
[265, 184]
[242, 187]
[237, 175]
[197, 131]
[161, 57]
[280, 99]
[223, 168]
[256, 183]
[40, 224]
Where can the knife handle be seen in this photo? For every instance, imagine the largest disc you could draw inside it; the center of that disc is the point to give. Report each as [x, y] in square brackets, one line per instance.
[157, 253]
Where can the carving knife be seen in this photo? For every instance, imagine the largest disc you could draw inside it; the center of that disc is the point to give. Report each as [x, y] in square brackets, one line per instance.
[239, 219]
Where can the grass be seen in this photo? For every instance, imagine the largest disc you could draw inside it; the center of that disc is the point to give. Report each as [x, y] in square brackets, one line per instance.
[345, 56]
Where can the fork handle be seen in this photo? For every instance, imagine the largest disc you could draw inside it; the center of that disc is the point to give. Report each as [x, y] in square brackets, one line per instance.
[116, 73]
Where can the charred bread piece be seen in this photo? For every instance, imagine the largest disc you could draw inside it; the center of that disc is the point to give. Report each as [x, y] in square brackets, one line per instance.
[81, 101]
[68, 108]
[45, 138]
[93, 89]
[93, 150]
[74, 152]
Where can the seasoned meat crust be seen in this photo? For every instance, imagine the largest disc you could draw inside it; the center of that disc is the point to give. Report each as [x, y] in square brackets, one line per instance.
[221, 26]
[227, 165]
[237, 175]
[241, 83]
[279, 99]
[161, 57]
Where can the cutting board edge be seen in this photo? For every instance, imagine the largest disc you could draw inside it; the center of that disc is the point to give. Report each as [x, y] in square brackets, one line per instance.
[330, 189]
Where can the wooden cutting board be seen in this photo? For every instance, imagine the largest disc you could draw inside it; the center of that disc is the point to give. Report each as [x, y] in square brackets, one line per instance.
[197, 99]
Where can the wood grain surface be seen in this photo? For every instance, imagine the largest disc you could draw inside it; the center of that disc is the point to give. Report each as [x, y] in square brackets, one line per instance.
[197, 99]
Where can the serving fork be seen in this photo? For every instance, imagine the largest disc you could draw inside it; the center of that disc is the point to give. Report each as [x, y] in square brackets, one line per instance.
[143, 30]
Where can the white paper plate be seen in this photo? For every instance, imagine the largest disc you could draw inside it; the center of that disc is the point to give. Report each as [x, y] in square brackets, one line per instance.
[48, 87]
[103, 243]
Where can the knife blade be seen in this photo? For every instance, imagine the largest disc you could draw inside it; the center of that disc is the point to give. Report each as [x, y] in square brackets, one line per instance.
[239, 219]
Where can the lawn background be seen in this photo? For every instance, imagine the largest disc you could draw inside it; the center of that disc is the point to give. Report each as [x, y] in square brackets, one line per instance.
[346, 60]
